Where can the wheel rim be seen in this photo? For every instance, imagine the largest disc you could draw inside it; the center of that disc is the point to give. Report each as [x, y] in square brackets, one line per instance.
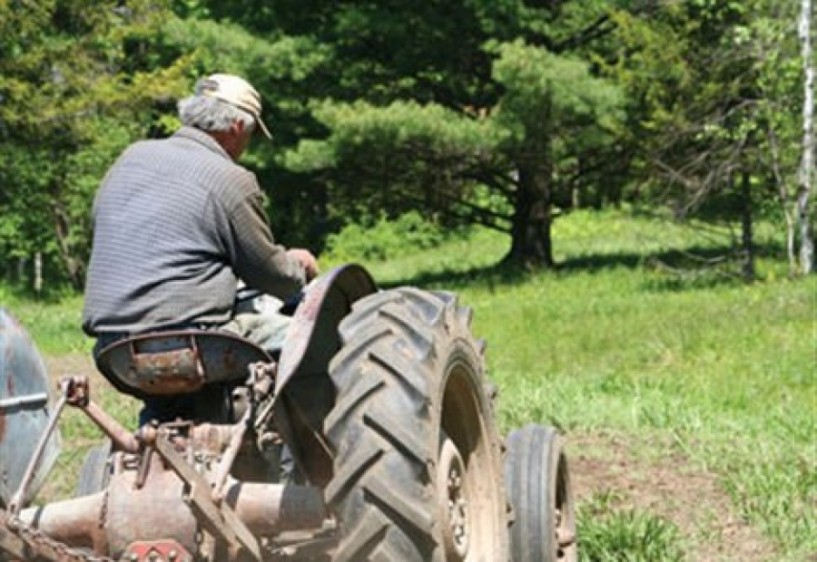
[564, 516]
[469, 481]
[454, 498]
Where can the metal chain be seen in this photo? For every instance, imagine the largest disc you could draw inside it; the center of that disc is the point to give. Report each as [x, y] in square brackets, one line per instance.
[56, 550]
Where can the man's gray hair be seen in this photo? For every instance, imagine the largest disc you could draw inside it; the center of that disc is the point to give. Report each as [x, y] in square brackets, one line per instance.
[211, 114]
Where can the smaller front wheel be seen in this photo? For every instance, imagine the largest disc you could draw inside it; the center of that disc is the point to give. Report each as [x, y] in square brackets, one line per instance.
[538, 483]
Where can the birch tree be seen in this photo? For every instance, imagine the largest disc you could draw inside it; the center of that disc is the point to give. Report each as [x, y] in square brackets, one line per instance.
[806, 171]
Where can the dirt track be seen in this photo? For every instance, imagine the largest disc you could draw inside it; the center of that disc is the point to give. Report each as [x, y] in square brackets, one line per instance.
[670, 487]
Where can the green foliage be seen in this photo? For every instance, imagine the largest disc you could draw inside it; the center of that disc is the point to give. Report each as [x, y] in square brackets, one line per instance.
[359, 129]
[545, 93]
[77, 83]
[712, 90]
[393, 159]
[387, 107]
[385, 239]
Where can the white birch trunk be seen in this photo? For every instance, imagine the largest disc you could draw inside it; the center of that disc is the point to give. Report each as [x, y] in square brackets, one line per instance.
[806, 171]
[38, 273]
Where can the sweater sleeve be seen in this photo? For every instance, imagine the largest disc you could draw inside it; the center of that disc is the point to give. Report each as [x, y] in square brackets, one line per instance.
[255, 257]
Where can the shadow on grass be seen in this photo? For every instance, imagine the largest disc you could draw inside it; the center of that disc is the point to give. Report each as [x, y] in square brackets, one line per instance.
[673, 270]
[498, 275]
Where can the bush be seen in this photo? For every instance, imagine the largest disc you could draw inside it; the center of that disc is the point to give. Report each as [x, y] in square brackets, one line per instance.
[385, 239]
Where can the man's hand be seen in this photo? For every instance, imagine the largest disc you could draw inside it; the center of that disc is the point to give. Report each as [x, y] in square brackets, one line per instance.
[307, 260]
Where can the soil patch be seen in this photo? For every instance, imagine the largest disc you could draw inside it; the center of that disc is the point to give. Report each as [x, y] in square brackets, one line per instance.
[71, 365]
[649, 476]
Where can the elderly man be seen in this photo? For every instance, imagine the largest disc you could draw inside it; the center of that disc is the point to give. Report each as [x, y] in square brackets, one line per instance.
[178, 223]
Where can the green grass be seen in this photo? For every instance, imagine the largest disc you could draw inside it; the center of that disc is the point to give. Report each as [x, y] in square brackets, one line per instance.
[641, 331]
[608, 533]
[54, 324]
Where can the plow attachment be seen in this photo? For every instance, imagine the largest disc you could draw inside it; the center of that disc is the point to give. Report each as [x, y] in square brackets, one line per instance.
[24, 412]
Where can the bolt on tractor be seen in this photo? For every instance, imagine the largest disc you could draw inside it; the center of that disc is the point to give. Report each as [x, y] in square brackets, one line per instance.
[370, 436]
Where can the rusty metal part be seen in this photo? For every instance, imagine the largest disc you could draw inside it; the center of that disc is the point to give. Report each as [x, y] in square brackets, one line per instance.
[260, 382]
[315, 544]
[261, 509]
[19, 496]
[268, 509]
[75, 389]
[167, 371]
[175, 362]
[111, 522]
[220, 520]
[262, 376]
[143, 467]
[157, 551]
[75, 522]
[214, 438]
[123, 439]
[227, 459]
[10, 541]
[22, 541]
[154, 511]
[78, 391]
[312, 340]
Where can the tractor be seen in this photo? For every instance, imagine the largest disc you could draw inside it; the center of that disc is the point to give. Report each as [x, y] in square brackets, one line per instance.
[370, 436]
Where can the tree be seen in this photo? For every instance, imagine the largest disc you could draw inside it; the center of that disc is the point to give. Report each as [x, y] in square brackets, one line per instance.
[77, 85]
[806, 170]
[717, 124]
[503, 113]
[469, 64]
[546, 96]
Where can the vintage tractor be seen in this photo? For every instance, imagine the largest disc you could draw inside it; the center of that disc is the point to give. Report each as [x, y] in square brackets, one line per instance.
[371, 436]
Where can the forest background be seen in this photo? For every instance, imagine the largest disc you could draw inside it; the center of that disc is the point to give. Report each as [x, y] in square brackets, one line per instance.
[501, 113]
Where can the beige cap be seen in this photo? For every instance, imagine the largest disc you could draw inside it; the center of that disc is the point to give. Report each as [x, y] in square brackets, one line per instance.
[235, 91]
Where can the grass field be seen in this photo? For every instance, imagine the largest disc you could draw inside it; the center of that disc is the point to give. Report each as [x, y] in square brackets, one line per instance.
[688, 398]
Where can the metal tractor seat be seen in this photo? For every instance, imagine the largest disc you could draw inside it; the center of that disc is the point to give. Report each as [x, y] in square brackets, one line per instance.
[177, 362]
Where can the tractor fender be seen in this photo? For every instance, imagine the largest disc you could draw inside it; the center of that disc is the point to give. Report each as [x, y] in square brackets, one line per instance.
[312, 339]
[304, 393]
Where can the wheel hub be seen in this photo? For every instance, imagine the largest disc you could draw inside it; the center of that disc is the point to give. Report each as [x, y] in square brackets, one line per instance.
[454, 500]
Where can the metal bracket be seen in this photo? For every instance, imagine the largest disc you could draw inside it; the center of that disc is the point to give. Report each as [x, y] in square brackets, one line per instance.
[219, 520]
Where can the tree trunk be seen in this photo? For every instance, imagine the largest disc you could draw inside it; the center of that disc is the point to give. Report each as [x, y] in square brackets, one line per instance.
[531, 245]
[38, 273]
[320, 211]
[747, 231]
[785, 202]
[74, 266]
[806, 171]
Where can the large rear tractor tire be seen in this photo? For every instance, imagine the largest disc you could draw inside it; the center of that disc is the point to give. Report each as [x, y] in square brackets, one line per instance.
[417, 457]
[538, 481]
